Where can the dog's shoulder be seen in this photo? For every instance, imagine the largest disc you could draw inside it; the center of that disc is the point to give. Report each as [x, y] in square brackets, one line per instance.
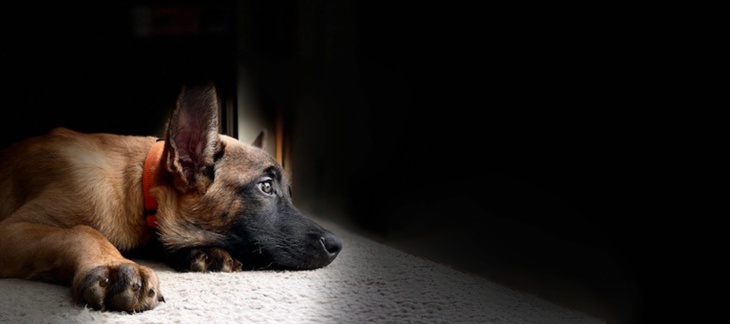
[61, 147]
[62, 132]
[52, 138]
[71, 136]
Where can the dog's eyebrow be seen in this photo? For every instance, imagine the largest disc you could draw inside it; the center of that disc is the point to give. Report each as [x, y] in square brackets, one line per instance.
[273, 172]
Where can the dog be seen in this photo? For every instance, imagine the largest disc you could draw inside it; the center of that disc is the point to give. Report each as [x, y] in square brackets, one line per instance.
[72, 204]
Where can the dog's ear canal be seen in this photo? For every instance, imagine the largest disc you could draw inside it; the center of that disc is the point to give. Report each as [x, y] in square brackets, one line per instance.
[192, 134]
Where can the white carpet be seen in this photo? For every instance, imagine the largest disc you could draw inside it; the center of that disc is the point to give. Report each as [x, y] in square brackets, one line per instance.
[367, 283]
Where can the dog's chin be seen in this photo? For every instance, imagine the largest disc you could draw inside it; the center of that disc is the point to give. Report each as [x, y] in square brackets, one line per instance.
[285, 259]
[302, 247]
[314, 251]
[262, 262]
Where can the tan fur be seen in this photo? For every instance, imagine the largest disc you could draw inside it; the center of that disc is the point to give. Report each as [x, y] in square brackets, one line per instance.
[176, 213]
[67, 178]
[68, 203]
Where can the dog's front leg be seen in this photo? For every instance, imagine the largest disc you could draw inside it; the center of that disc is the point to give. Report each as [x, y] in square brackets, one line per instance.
[80, 256]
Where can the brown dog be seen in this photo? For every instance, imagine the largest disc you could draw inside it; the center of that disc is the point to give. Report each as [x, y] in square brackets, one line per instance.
[70, 202]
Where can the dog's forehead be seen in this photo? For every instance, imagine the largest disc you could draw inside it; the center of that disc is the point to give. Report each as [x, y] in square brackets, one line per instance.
[246, 161]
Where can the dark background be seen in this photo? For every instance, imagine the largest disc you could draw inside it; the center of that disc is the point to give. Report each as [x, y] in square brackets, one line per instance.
[511, 142]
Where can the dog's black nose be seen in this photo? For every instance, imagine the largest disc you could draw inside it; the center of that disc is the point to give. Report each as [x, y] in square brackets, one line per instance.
[331, 243]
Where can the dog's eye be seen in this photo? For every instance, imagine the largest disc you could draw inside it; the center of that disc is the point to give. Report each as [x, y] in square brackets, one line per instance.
[266, 187]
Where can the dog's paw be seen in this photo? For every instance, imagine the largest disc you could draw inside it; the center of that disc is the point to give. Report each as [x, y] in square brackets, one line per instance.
[125, 287]
[207, 259]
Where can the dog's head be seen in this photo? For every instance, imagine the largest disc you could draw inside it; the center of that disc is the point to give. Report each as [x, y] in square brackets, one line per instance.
[224, 193]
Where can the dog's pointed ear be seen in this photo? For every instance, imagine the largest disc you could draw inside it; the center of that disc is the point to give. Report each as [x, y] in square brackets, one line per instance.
[192, 134]
[259, 141]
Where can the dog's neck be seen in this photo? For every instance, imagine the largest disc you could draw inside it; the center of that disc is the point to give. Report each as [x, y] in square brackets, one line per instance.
[148, 176]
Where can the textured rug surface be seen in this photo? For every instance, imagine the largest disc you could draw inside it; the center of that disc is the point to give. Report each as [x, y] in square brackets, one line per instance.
[367, 283]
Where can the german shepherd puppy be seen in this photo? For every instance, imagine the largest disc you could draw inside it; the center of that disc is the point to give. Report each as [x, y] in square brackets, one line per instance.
[71, 203]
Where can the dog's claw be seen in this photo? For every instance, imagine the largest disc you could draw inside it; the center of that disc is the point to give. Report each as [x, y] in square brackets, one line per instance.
[203, 256]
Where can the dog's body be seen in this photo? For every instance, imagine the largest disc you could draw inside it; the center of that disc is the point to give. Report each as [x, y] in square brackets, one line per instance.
[70, 202]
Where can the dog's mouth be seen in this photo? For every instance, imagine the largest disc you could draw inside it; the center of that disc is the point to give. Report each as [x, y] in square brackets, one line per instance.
[317, 254]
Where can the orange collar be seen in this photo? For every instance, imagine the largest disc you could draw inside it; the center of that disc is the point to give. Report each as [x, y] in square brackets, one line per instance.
[148, 175]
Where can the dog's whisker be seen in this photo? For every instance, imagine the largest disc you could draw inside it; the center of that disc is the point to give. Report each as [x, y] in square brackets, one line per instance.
[267, 266]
